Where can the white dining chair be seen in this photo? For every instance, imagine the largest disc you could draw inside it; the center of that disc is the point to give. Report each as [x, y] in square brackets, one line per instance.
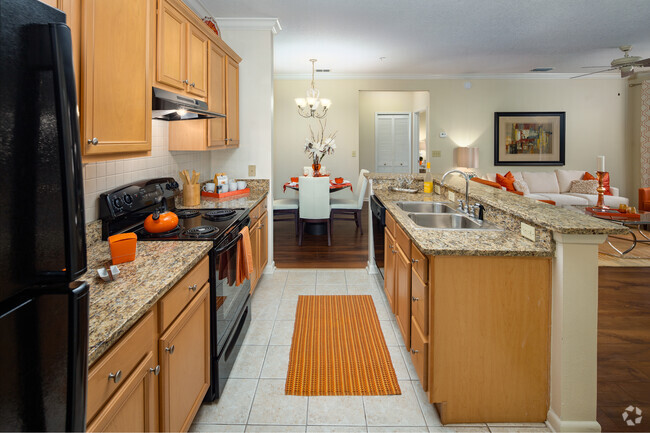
[286, 206]
[314, 204]
[341, 206]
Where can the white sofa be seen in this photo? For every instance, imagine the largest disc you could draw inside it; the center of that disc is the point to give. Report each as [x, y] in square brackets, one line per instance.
[555, 186]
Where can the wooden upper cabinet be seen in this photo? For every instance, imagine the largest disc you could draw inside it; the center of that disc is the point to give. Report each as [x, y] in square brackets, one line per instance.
[217, 96]
[182, 53]
[197, 62]
[232, 102]
[117, 61]
[170, 49]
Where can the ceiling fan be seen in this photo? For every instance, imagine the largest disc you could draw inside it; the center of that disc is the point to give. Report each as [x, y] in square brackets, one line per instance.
[624, 64]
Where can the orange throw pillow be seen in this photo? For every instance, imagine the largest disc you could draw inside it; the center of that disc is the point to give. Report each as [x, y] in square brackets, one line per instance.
[486, 182]
[506, 182]
[589, 176]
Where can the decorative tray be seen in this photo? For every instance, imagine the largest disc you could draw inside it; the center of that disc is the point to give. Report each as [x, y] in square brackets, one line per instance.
[407, 190]
[238, 192]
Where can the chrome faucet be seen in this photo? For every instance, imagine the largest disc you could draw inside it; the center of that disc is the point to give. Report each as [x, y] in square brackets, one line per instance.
[464, 205]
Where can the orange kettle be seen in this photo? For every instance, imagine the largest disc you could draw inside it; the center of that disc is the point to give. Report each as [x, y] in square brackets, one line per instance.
[160, 222]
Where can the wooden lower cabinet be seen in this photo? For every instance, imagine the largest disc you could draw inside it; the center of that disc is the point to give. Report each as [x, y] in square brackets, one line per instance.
[477, 329]
[134, 408]
[389, 268]
[403, 295]
[255, 246]
[184, 352]
[259, 233]
[263, 251]
[152, 382]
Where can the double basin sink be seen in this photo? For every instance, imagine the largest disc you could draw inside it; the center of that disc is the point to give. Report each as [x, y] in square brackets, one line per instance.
[441, 215]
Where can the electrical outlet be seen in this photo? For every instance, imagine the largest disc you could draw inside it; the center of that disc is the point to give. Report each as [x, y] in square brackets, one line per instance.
[443, 134]
[436, 188]
[354, 153]
[436, 154]
[528, 231]
[251, 170]
[451, 196]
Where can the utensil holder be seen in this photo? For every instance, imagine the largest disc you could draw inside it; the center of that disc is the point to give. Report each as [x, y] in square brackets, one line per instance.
[191, 194]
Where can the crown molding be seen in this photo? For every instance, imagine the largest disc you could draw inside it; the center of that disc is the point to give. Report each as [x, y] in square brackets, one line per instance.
[270, 24]
[522, 76]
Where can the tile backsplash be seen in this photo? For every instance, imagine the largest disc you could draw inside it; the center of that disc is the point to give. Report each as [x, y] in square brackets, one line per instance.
[104, 176]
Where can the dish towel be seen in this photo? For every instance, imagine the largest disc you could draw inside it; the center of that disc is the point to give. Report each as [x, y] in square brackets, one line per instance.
[244, 257]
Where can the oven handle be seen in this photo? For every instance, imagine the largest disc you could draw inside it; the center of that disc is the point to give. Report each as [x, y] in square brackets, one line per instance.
[219, 250]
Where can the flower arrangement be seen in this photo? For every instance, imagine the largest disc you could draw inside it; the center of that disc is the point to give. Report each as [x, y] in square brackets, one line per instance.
[318, 145]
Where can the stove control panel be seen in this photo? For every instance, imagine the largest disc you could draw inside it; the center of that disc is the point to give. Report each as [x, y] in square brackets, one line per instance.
[131, 198]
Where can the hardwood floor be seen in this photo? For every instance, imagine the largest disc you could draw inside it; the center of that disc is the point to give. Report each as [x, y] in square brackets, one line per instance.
[349, 247]
[623, 346]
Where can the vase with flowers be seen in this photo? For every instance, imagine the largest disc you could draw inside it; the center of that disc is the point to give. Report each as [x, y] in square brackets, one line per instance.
[318, 145]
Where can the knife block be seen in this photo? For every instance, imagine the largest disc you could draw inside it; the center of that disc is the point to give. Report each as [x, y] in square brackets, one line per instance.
[191, 194]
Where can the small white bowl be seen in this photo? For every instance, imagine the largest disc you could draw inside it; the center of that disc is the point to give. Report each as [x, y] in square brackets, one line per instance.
[241, 184]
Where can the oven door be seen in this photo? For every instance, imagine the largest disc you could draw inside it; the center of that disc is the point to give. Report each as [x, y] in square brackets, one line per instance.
[228, 297]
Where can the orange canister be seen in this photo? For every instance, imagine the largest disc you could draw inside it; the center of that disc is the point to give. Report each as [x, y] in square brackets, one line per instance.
[122, 247]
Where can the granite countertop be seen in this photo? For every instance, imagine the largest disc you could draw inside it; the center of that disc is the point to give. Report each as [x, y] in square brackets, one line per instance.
[553, 218]
[458, 242]
[115, 306]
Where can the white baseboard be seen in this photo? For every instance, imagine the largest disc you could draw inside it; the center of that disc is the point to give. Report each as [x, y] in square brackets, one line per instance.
[557, 425]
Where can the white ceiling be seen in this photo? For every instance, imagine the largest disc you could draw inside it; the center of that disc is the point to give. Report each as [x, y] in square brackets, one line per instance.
[447, 37]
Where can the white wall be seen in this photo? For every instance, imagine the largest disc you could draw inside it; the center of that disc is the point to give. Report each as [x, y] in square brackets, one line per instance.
[596, 119]
[100, 177]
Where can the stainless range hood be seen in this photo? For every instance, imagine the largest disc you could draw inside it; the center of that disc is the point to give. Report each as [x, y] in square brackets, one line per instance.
[170, 106]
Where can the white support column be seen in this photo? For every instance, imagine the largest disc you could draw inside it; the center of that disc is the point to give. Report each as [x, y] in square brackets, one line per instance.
[574, 329]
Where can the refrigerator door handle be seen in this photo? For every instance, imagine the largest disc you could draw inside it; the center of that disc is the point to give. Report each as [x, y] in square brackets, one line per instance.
[70, 148]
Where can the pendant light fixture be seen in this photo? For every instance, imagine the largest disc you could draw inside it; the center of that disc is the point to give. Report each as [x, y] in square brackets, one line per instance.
[312, 105]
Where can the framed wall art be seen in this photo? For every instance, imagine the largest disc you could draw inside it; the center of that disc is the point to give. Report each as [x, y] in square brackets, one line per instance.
[527, 138]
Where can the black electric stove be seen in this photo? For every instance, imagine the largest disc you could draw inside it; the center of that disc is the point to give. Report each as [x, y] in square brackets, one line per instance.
[124, 209]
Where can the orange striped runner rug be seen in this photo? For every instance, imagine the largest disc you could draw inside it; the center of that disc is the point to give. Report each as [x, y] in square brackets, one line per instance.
[338, 348]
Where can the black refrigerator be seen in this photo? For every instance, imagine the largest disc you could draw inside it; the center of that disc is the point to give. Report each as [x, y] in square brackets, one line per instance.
[43, 310]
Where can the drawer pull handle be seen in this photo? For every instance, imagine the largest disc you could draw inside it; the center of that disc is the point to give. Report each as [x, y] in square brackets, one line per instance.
[413, 351]
[414, 261]
[415, 299]
[155, 371]
[192, 287]
[170, 349]
[115, 377]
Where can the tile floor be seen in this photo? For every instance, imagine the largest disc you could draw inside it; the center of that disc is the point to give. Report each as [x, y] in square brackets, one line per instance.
[254, 400]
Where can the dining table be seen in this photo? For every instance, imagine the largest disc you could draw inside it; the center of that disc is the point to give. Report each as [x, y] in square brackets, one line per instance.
[334, 186]
[320, 228]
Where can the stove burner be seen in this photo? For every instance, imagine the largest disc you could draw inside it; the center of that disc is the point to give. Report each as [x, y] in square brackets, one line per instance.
[167, 234]
[201, 231]
[219, 214]
[187, 213]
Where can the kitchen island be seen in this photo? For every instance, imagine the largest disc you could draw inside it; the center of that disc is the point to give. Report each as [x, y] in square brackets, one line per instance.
[500, 328]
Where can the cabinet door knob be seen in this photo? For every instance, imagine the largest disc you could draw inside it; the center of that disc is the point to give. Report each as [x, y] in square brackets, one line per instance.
[413, 351]
[155, 371]
[186, 82]
[192, 287]
[415, 299]
[414, 261]
[170, 349]
[115, 377]
[94, 141]
[193, 85]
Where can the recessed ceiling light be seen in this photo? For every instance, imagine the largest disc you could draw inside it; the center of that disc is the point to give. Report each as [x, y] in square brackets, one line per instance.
[541, 69]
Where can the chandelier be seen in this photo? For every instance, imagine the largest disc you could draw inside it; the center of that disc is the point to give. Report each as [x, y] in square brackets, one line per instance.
[313, 106]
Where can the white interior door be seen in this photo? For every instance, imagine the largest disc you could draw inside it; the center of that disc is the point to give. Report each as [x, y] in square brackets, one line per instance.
[393, 148]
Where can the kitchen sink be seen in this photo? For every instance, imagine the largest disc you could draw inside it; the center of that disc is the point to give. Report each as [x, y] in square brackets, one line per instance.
[427, 207]
[450, 221]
